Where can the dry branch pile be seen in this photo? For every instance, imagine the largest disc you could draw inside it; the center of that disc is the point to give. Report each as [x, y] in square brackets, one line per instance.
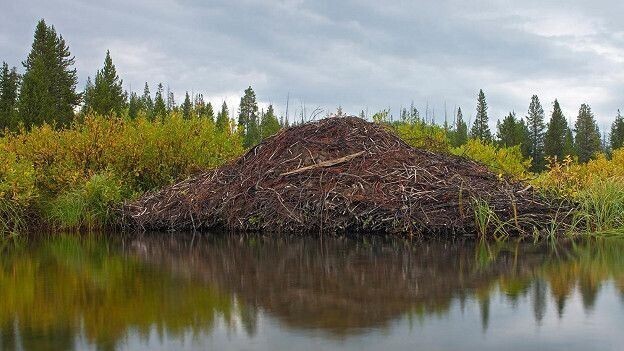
[342, 175]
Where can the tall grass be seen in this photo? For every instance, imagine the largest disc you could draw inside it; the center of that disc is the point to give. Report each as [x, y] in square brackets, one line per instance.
[91, 206]
[601, 206]
[12, 218]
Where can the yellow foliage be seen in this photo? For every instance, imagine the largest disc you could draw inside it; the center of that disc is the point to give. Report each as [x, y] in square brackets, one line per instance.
[422, 135]
[506, 161]
[144, 154]
[568, 178]
[86, 165]
[17, 179]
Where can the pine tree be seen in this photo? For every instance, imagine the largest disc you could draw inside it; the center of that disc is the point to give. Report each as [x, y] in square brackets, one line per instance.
[522, 137]
[362, 114]
[160, 109]
[107, 96]
[507, 133]
[186, 107]
[569, 144]
[556, 134]
[248, 118]
[617, 132]
[209, 112]
[587, 138]
[147, 104]
[269, 124]
[48, 91]
[199, 106]
[9, 83]
[223, 119]
[414, 115]
[535, 123]
[134, 106]
[480, 128]
[460, 135]
[87, 97]
[171, 105]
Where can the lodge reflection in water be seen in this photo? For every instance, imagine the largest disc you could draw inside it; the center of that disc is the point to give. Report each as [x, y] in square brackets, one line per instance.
[64, 291]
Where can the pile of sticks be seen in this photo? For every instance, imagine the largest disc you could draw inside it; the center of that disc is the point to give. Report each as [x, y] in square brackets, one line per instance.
[344, 175]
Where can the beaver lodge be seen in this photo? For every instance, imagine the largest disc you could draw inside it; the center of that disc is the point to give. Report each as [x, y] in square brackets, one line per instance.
[345, 175]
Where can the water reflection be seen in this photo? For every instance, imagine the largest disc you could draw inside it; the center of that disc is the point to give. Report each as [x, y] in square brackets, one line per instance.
[68, 293]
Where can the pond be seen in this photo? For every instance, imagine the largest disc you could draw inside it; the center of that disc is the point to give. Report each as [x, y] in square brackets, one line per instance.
[225, 292]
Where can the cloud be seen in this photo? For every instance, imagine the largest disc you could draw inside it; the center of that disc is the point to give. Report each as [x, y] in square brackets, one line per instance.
[357, 54]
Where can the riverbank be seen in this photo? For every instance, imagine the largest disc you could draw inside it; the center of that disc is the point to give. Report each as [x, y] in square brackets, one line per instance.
[75, 179]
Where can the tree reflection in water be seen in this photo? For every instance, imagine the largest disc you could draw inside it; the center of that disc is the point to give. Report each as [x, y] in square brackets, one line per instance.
[63, 289]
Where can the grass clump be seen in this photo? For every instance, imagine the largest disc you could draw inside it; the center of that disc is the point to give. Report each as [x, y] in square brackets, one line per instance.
[90, 206]
[601, 205]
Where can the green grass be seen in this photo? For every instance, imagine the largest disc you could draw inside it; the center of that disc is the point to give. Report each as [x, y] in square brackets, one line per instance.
[92, 206]
[12, 218]
[601, 207]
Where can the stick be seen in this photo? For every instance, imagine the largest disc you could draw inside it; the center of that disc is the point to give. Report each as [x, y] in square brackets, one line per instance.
[327, 163]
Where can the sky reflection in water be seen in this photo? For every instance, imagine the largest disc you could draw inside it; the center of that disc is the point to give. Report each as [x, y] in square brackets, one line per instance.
[230, 292]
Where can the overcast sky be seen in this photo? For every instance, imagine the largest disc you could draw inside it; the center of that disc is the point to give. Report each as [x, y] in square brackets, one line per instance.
[358, 54]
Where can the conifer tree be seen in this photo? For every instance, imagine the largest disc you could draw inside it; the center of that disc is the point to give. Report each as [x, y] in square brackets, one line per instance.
[48, 91]
[134, 106]
[556, 134]
[223, 119]
[87, 97]
[460, 136]
[199, 106]
[617, 132]
[414, 115]
[186, 106]
[209, 112]
[404, 115]
[171, 105]
[507, 133]
[522, 137]
[9, 83]
[248, 118]
[160, 109]
[269, 124]
[480, 128]
[147, 104]
[535, 123]
[569, 143]
[106, 96]
[362, 114]
[587, 135]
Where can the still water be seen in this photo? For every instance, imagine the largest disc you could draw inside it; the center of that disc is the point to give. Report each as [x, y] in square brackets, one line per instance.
[216, 292]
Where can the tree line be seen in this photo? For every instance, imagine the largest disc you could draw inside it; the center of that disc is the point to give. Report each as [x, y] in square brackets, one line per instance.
[46, 93]
[538, 138]
[541, 139]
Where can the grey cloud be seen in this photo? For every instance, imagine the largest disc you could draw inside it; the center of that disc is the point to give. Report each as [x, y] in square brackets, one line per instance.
[358, 54]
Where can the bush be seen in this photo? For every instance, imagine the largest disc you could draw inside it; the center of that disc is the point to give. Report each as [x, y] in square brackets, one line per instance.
[17, 192]
[419, 134]
[506, 161]
[597, 187]
[100, 161]
[568, 178]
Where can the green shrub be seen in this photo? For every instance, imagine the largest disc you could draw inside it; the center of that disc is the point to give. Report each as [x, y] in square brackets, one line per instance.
[17, 192]
[506, 161]
[74, 175]
[420, 134]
